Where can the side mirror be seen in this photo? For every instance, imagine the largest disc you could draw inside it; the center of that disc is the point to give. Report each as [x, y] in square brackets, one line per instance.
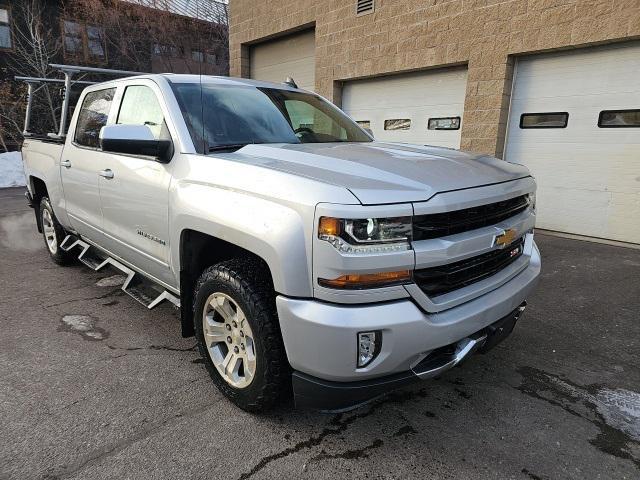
[369, 131]
[135, 140]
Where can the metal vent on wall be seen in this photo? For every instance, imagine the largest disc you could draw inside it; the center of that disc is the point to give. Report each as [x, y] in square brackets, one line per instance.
[364, 6]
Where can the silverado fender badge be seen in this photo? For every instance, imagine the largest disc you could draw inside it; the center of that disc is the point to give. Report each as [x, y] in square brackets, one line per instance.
[505, 238]
[153, 238]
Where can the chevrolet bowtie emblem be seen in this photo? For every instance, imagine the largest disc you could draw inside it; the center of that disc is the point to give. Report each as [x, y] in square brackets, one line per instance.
[505, 238]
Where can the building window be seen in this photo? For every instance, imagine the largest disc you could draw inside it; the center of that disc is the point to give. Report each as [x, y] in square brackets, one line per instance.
[5, 28]
[84, 42]
[364, 123]
[197, 56]
[95, 43]
[619, 119]
[73, 44]
[544, 120]
[444, 123]
[163, 50]
[211, 58]
[397, 124]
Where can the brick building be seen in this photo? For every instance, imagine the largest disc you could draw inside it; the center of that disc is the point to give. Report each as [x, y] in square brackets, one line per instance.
[538, 82]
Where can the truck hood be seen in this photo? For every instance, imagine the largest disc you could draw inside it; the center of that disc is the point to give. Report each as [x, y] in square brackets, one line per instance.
[380, 172]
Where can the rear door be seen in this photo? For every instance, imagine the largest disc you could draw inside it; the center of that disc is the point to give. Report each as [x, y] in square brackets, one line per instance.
[81, 163]
[135, 196]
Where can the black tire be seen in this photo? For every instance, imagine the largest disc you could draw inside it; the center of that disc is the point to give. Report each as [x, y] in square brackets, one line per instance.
[248, 283]
[48, 219]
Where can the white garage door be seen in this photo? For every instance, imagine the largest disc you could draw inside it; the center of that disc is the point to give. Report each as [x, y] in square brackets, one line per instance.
[423, 108]
[293, 56]
[588, 172]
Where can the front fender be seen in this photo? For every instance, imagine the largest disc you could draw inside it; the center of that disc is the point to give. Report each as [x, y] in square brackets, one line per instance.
[273, 231]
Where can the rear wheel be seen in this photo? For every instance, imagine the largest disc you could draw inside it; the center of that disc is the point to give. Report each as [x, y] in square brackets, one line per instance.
[238, 334]
[53, 233]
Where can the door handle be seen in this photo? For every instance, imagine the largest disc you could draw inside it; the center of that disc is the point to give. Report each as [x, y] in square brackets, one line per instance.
[106, 173]
[65, 163]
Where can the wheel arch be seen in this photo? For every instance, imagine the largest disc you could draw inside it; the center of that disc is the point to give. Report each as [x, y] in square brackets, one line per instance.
[38, 190]
[199, 250]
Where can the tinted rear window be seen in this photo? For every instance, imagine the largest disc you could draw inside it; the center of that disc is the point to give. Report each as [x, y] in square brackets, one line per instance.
[93, 116]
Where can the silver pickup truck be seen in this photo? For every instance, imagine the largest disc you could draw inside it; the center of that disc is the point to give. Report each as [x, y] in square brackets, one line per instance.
[306, 257]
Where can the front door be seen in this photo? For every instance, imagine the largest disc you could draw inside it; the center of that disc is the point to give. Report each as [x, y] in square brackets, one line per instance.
[135, 194]
[80, 165]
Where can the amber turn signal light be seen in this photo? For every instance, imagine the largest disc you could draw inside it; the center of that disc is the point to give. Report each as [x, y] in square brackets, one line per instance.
[356, 281]
[329, 227]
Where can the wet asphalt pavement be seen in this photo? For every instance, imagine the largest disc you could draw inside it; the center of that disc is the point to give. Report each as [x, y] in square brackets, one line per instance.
[94, 386]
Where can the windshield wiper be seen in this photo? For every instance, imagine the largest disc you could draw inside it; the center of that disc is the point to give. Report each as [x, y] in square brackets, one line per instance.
[230, 146]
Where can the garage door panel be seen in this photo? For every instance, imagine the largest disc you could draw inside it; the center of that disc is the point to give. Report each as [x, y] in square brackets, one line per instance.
[416, 96]
[598, 72]
[292, 56]
[588, 177]
[624, 212]
[298, 70]
[555, 205]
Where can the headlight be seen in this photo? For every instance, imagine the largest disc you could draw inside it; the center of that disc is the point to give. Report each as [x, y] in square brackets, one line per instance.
[366, 235]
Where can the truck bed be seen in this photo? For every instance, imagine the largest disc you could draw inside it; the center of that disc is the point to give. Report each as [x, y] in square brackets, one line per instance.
[41, 157]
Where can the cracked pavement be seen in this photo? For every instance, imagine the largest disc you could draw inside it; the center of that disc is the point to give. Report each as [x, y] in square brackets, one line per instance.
[94, 386]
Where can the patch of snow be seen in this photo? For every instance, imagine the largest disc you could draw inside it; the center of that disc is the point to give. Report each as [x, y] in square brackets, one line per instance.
[81, 323]
[11, 170]
[620, 409]
[94, 334]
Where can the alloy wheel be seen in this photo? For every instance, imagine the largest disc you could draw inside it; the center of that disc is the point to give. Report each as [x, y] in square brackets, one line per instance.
[49, 231]
[229, 340]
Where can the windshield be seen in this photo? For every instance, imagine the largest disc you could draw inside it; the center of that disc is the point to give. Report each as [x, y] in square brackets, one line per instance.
[227, 117]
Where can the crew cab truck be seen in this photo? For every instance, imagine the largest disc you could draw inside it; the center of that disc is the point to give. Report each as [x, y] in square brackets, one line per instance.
[306, 257]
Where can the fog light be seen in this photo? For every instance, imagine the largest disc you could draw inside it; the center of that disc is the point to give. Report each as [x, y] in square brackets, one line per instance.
[368, 347]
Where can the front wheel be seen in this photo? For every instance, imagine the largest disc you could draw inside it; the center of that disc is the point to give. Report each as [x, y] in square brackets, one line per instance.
[53, 233]
[238, 334]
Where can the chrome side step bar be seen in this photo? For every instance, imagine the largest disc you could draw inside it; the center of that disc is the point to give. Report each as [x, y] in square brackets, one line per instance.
[136, 285]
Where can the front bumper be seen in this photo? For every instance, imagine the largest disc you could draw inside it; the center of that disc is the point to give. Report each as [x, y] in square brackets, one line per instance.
[320, 338]
[314, 393]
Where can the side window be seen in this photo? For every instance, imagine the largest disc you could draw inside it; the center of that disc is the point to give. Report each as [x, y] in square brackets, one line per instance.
[305, 117]
[93, 116]
[140, 106]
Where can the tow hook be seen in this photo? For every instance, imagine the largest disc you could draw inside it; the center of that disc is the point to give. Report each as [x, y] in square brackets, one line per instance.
[498, 331]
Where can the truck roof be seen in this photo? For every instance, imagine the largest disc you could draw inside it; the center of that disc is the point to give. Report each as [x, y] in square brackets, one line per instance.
[208, 79]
